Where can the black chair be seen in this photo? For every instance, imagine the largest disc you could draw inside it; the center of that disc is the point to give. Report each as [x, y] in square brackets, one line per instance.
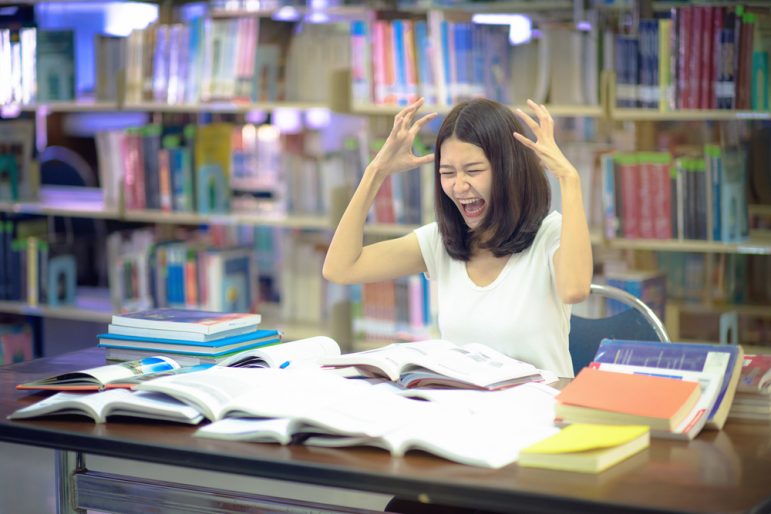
[638, 322]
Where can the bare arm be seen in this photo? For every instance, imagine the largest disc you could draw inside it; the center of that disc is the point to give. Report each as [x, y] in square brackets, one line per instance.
[348, 261]
[573, 262]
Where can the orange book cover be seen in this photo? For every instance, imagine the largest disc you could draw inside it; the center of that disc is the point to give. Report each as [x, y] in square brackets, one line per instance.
[638, 395]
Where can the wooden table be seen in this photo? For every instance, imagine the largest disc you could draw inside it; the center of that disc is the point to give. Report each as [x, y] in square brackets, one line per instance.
[725, 471]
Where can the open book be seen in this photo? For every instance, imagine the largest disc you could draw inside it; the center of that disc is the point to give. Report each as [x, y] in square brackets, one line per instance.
[116, 402]
[299, 353]
[94, 379]
[302, 352]
[502, 422]
[438, 363]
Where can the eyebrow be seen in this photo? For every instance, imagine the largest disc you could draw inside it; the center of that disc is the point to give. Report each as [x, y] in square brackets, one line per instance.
[467, 165]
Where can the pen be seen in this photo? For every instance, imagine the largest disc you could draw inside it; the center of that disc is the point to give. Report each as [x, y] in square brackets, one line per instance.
[285, 364]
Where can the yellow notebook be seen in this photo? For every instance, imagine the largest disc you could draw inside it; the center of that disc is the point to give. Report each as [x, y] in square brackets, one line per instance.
[586, 448]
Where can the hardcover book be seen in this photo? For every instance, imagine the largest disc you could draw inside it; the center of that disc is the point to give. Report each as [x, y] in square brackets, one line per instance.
[213, 348]
[723, 360]
[187, 320]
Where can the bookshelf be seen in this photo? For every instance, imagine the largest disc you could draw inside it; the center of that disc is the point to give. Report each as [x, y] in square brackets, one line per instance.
[61, 202]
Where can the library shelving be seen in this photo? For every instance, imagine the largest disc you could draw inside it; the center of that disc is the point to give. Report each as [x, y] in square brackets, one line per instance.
[89, 203]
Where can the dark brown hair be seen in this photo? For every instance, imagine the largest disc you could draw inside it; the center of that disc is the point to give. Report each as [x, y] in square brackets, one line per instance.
[520, 194]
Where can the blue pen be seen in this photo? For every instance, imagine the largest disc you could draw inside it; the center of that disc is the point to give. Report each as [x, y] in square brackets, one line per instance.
[285, 364]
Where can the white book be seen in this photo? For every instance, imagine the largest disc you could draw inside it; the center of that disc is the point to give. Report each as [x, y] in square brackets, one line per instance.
[513, 419]
[438, 363]
[113, 402]
[155, 333]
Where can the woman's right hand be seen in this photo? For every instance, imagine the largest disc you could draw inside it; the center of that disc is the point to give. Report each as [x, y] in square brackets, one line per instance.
[397, 154]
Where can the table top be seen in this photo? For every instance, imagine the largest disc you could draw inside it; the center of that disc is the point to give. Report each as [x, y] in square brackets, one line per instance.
[719, 471]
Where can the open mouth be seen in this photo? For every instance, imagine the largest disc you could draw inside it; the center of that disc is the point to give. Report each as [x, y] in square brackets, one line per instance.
[472, 207]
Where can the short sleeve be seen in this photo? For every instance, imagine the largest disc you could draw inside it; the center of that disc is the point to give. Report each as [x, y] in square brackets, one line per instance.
[549, 237]
[430, 246]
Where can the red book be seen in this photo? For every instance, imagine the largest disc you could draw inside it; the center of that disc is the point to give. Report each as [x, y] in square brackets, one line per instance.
[607, 396]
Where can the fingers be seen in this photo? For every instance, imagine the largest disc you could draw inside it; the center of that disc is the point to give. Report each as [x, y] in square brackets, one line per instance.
[423, 120]
[406, 115]
[540, 111]
[524, 140]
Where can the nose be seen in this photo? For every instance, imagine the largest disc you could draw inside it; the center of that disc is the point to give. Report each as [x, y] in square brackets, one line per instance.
[460, 184]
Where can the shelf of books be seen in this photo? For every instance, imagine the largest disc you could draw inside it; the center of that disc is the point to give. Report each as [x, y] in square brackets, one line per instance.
[91, 304]
[705, 308]
[77, 202]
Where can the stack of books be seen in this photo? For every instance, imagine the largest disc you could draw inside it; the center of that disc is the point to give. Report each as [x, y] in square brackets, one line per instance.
[190, 337]
[753, 395]
[670, 407]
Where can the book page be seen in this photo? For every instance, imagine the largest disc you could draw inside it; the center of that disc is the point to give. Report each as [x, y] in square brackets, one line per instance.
[474, 364]
[62, 403]
[256, 430]
[295, 353]
[109, 373]
[390, 359]
[212, 389]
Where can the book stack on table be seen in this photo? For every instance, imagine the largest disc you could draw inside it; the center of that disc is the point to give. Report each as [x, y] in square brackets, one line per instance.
[190, 337]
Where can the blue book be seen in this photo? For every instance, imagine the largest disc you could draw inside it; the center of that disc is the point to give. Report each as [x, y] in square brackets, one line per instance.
[209, 348]
[698, 357]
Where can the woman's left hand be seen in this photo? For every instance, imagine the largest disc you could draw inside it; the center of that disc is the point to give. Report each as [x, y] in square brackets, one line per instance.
[544, 145]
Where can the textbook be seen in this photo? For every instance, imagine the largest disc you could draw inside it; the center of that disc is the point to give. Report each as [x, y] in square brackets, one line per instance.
[438, 363]
[302, 352]
[225, 391]
[298, 353]
[378, 418]
[215, 348]
[668, 405]
[187, 320]
[655, 357]
[586, 448]
[94, 379]
[115, 402]
[154, 333]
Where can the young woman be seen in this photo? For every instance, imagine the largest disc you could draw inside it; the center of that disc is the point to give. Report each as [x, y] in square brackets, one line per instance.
[506, 269]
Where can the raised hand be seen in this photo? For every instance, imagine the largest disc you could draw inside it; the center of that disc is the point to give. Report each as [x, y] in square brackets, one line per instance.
[396, 154]
[544, 145]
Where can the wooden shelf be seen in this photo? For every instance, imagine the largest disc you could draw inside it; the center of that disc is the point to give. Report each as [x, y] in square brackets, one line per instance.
[91, 304]
[591, 111]
[76, 202]
[190, 218]
[622, 114]
[754, 311]
[225, 107]
[751, 246]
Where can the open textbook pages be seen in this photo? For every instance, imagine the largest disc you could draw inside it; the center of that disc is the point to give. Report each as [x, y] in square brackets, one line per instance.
[438, 363]
[220, 391]
[458, 425]
[302, 352]
[115, 402]
[93, 379]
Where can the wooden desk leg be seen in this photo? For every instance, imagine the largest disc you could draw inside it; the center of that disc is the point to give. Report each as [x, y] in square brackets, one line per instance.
[67, 464]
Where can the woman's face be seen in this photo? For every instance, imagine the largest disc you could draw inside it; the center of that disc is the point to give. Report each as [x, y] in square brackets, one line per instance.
[466, 179]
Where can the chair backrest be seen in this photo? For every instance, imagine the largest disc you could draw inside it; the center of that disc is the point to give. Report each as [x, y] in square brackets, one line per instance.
[638, 322]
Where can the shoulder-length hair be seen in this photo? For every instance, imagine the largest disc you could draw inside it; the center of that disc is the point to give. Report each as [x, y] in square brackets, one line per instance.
[520, 196]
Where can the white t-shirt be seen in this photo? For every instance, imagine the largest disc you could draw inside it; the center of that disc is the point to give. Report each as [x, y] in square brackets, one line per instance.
[519, 314]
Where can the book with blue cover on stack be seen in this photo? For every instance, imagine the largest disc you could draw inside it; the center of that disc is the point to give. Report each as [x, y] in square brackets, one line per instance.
[190, 336]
